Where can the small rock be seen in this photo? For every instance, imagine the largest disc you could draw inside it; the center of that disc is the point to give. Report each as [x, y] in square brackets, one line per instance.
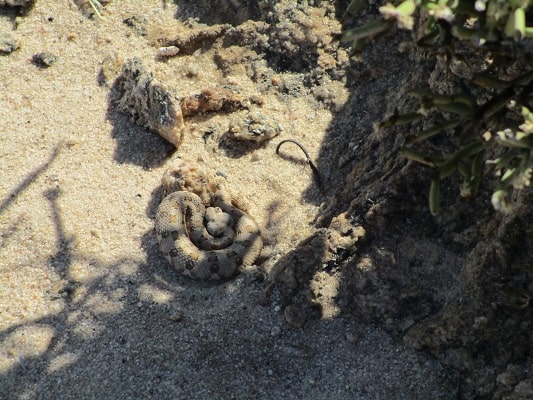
[275, 331]
[8, 43]
[212, 99]
[138, 24]
[150, 103]
[351, 337]
[255, 127]
[176, 316]
[167, 51]
[43, 60]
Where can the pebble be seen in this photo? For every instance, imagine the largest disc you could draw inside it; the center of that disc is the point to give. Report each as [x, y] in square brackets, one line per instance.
[255, 127]
[44, 59]
[176, 316]
[8, 43]
[275, 331]
[351, 337]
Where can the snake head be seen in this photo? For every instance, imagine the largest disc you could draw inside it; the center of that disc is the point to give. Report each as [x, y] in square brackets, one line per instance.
[188, 176]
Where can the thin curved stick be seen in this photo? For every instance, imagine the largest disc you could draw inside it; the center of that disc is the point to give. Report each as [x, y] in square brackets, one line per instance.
[316, 174]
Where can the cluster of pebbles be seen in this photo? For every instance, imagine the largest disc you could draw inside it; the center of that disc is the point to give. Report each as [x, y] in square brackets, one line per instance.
[152, 104]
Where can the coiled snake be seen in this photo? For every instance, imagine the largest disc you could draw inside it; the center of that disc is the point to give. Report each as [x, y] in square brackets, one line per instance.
[202, 230]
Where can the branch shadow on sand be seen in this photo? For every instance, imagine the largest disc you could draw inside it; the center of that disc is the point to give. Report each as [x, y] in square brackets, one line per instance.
[122, 323]
[29, 179]
[136, 329]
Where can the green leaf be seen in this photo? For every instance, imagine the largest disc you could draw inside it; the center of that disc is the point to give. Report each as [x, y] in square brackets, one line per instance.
[449, 165]
[434, 197]
[354, 7]
[516, 24]
[488, 81]
[419, 157]
[370, 29]
[400, 119]
[458, 108]
[428, 133]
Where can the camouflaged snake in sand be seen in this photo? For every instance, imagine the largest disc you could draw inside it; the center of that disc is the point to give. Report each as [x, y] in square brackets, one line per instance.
[203, 232]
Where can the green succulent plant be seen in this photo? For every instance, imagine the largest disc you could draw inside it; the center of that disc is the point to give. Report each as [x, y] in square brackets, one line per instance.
[492, 116]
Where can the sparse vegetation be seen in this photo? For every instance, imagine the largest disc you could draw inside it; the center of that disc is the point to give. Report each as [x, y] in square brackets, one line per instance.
[487, 119]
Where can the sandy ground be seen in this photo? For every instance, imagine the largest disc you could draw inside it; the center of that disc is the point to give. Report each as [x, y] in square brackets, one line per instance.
[88, 306]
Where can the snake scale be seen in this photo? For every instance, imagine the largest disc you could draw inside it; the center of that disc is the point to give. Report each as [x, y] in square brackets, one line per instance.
[203, 230]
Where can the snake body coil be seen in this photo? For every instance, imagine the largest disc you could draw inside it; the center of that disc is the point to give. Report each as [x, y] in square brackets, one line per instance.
[211, 242]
